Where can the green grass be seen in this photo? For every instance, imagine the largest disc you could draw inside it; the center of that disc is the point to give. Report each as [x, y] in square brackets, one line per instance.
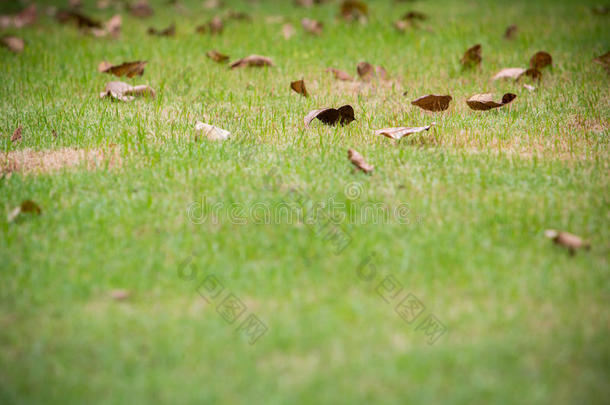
[526, 322]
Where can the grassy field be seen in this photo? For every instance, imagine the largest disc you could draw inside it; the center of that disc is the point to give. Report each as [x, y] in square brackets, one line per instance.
[516, 318]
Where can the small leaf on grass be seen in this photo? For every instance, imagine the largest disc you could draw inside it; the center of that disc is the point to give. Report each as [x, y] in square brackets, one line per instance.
[340, 75]
[299, 87]
[16, 137]
[112, 27]
[129, 69]
[484, 101]
[217, 56]
[13, 44]
[414, 15]
[126, 92]
[24, 18]
[368, 72]
[120, 295]
[400, 132]
[81, 20]
[472, 56]
[511, 32]
[26, 207]
[529, 87]
[167, 32]
[252, 61]
[331, 116]
[212, 4]
[540, 60]
[353, 10]
[141, 9]
[533, 73]
[359, 162]
[509, 73]
[604, 60]
[288, 31]
[312, 26]
[211, 132]
[433, 102]
[567, 240]
[214, 27]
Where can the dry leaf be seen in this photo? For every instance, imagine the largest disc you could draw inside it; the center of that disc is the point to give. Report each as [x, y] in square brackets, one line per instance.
[141, 9]
[509, 73]
[16, 137]
[400, 132]
[113, 26]
[533, 73]
[24, 18]
[472, 57]
[103, 66]
[238, 15]
[299, 87]
[217, 56]
[604, 60]
[567, 240]
[129, 69]
[484, 101]
[330, 116]
[126, 92]
[81, 20]
[353, 10]
[252, 60]
[312, 26]
[13, 44]
[541, 59]
[168, 32]
[529, 87]
[211, 132]
[288, 31]
[304, 3]
[26, 207]
[433, 102]
[511, 32]
[214, 26]
[212, 4]
[367, 72]
[340, 75]
[358, 161]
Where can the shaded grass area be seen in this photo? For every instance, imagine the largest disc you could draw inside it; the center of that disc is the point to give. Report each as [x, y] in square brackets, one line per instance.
[525, 321]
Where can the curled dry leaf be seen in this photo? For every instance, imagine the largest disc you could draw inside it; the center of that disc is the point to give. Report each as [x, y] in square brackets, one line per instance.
[13, 44]
[26, 207]
[126, 92]
[312, 26]
[288, 31]
[540, 60]
[211, 132]
[472, 56]
[252, 60]
[358, 161]
[604, 60]
[167, 32]
[567, 240]
[16, 137]
[299, 87]
[340, 75]
[400, 132]
[511, 32]
[141, 9]
[129, 69]
[217, 56]
[120, 295]
[353, 10]
[331, 116]
[24, 18]
[214, 27]
[433, 102]
[484, 101]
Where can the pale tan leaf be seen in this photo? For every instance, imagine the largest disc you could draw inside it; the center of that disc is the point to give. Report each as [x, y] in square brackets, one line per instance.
[340, 75]
[312, 26]
[358, 161]
[125, 92]
[211, 132]
[252, 61]
[509, 73]
[288, 31]
[400, 132]
[13, 44]
[567, 240]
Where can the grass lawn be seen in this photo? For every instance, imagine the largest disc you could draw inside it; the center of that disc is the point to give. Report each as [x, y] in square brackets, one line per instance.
[200, 236]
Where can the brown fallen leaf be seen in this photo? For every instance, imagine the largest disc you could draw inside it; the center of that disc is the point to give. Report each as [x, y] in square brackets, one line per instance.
[25, 17]
[304, 3]
[16, 137]
[604, 60]
[414, 15]
[472, 56]
[26, 207]
[112, 27]
[533, 73]
[299, 87]
[400, 132]
[214, 27]
[212, 4]
[484, 101]
[368, 72]
[567, 240]
[288, 31]
[238, 15]
[167, 32]
[340, 75]
[511, 32]
[353, 10]
[359, 162]
[120, 295]
[433, 102]
[252, 60]
[126, 92]
[540, 60]
[312, 26]
[331, 116]
[13, 44]
[141, 9]
[217, 56]
[129, 69]
[81, 20]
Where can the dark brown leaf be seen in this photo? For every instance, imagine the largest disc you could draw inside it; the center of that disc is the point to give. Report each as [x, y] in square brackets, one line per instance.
[299, 87]
[252, 60]
[414, 15]
[81, 20]
[340, 75]
[359, 162]
[567, 240]
[472, 57]
[330, 116]
[400, 132]
[511, 32]
[353, 10]
[366, 71]
[484, 101]
[129, 69]
[433, 102]
[167, 32]
[600, 10]
[141, 9]
[312, 26]
[26, 207]
[13, 44]
[217, 56]
[604, 60]
[540, 60]
[16, 137]
[214, 26]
